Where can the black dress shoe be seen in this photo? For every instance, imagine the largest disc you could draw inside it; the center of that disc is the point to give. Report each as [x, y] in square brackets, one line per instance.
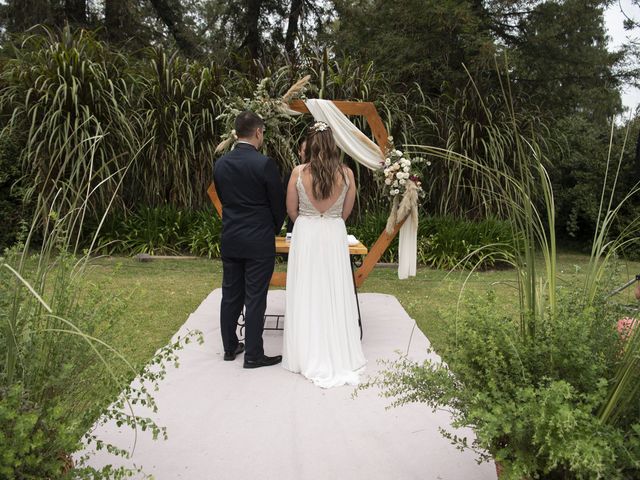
[229, 356]
[262, 361]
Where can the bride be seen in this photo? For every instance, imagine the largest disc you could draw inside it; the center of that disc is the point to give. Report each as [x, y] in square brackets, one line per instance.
[321, 335]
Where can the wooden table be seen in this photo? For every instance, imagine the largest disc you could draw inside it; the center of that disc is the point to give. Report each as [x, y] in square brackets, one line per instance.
[283, 245]
[280, 278]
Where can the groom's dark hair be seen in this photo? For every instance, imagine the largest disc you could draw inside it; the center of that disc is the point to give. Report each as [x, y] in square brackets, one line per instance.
[246, 123]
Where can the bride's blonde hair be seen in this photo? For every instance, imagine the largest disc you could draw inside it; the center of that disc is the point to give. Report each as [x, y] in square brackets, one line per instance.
[323, 159]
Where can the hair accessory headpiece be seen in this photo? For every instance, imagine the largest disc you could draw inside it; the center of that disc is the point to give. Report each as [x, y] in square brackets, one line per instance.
[319, 127]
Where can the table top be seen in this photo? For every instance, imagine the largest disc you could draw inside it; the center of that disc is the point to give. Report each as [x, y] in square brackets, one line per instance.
[282, 246]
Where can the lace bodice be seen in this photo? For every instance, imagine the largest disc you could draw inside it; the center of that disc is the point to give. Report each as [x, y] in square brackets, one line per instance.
[306, 208]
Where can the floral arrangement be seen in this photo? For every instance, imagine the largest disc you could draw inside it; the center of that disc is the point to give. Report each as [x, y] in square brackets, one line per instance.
[399, 170]
[402, 184]
[273, 110]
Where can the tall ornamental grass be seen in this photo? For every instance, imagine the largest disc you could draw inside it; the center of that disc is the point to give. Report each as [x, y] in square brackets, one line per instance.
[552, 391]
[178, 104]
[61, 91]
[58, 373]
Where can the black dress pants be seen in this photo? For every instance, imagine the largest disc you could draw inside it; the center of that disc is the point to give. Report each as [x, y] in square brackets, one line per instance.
[245, 282]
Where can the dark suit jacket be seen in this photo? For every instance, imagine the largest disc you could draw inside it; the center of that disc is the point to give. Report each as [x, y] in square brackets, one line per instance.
[253, 202]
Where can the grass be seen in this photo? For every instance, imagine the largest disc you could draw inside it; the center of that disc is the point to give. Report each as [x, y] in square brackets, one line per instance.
[162, 294]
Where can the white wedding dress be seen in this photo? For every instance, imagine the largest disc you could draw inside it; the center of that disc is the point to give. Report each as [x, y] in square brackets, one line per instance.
[321, 333]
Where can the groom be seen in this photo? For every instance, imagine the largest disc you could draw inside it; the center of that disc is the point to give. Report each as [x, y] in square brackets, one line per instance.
[253, 209]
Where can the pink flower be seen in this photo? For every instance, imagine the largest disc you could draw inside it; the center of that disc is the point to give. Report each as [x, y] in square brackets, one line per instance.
[626, 326]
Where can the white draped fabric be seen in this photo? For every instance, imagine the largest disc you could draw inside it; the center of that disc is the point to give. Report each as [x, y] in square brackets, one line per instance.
[408, 249]
[348, 137]
[366, 152]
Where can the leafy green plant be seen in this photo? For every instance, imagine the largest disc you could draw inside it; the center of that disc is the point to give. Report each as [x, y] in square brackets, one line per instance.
[157, 231]
[33, 440]
[65, 90]
[177, 107]
[204, 234]
[52, 345]
[533, 406]
[162, 230]
[13, 210]
[447, 242]
[549, 392]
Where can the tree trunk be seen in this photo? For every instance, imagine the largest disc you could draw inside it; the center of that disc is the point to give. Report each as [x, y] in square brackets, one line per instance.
[170, 12]
[76, 11]
[637, 175]
[118, 19]
[252, 29]
[26, 13]
[293, 27]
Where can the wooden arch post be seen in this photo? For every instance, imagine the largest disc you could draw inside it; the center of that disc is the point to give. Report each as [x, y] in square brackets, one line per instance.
[369, 112]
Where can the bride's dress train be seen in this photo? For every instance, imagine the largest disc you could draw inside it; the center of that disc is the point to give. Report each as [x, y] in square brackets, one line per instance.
[321, 333]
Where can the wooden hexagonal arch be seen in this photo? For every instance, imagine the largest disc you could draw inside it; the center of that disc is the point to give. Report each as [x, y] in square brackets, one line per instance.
[369, 112]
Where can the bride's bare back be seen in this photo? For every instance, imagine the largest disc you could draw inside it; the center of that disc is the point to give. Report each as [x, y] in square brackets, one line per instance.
[321, 205]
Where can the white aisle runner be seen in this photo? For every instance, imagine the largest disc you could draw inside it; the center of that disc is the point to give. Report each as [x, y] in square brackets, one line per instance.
[225, 422]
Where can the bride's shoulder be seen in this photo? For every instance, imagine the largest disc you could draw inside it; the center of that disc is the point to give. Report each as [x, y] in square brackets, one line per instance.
[347, 172]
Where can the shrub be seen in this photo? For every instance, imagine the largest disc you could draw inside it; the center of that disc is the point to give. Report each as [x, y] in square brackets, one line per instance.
[204, 234]
[34, 441]
[443, 242]
[533, 405]
[551, 391]
[12, 211]
[58, 374]
[162, 230]
[446, 242]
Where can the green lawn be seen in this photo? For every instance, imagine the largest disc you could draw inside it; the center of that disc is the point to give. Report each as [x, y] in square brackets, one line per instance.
[161, 294]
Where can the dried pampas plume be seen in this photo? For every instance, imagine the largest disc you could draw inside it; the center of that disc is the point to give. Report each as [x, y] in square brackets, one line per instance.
[401, 209]
[296, 89]
[393, 216]
[227, 142]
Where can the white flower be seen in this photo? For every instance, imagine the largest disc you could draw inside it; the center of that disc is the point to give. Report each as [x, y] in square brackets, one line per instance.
[399, 175]
[319, 127]
[406, 169]
[398, 153]
[395, 183]
[402, 182]
[386, 172]
[387, 181]
[428, 164]
[387, 161]
[393, 192]
[397, 191]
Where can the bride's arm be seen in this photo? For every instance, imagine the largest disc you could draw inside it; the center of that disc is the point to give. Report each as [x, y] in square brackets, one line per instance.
[292, 195]
[350, 198]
